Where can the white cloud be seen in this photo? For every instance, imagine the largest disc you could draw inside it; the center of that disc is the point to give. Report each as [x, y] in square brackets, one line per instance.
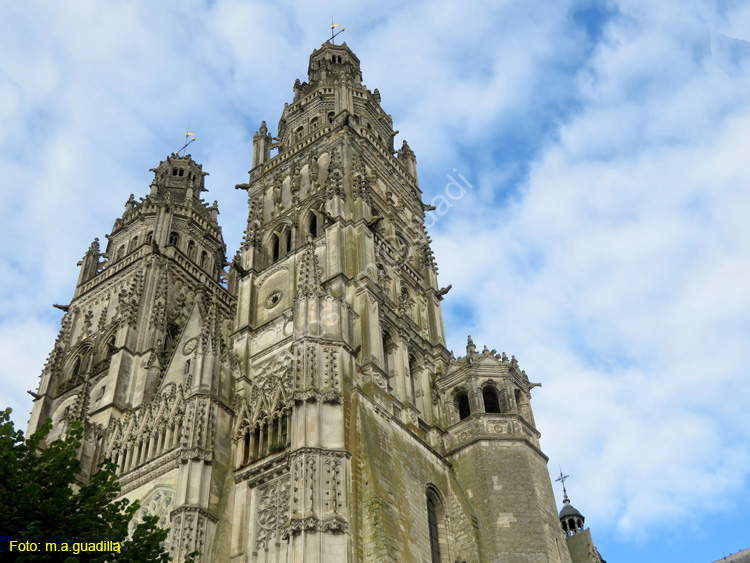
[631, 299]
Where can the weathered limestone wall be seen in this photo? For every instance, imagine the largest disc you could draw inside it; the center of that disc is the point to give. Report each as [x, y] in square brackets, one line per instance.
[581, 547]
[391, 473]
[508, 485]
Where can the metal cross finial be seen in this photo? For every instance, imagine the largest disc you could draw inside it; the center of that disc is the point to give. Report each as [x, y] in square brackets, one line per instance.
[562, 478]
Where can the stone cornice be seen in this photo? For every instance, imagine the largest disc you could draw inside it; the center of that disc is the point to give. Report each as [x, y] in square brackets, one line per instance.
[149, 471]
[191, 508]
[264, 471]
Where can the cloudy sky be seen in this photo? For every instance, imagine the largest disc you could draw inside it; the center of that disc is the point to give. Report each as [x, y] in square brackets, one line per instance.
[605, 241]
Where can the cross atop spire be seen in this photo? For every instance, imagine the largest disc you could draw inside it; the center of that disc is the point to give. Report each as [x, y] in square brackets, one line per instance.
[562, 478]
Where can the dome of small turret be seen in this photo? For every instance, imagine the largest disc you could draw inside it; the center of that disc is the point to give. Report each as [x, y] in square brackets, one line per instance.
[570, 510]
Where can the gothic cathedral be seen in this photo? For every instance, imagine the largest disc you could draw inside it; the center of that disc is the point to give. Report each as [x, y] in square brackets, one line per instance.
[298, 403]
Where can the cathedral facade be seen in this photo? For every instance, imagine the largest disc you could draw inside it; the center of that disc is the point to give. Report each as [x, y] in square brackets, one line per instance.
[298, 403]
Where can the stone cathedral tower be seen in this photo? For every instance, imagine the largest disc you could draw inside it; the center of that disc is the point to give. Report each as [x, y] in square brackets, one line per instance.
[304, 406]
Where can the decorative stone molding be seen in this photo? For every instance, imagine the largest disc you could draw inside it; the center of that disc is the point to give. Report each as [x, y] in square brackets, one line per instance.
[331, 396]
[146, 473]
[265, 471]
[196, 454]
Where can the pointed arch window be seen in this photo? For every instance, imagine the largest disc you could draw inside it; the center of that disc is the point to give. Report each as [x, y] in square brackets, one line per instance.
[170, 338]
[133, 244]
[149, 237]
[174, 238]
[204, 259]
[275, 247]
[388, 345]
[312, 224]
[121, 252]
[77, 365]
[462, 405]
[435, 525]
[191, 250]
[246, 449]
[280, 244]
[267, 436]
[491, 401]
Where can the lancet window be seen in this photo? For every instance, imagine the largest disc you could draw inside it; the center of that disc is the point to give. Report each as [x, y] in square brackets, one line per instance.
[462, 405]
[77, 366]
[170, 338]
[81, 362]
[267, 435]
[435, 524]
[280, 244]
[491, 399]
[314, 223]
[388, 347]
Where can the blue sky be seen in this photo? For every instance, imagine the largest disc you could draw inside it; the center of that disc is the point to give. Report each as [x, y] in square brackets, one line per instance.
[605, 241]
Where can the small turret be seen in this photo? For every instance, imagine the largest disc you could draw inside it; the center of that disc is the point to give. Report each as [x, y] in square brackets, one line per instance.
[571, 519]
[179, 178]
[470, 347]
[578, 540]
[90, 263]
[407, 156]
[262, 143]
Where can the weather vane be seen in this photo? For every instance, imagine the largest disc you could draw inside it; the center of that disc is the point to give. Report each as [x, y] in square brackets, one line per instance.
[188, 135]
[562, 478]
[333, 35]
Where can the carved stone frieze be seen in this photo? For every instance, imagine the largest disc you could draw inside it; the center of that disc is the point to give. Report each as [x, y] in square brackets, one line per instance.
[272, 512]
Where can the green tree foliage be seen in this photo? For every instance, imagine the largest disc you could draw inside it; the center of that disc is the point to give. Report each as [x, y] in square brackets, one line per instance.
[40, 502]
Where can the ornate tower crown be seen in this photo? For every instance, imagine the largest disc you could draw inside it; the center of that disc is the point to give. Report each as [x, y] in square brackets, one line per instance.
[334, 93]
[332, 63]
[178, 178]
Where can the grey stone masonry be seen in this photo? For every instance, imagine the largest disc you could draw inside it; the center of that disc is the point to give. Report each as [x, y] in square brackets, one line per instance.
[300, 405]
